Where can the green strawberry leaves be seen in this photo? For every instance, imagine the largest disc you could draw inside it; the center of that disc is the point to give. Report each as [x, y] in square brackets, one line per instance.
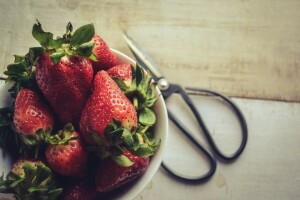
[141, 92]
[31, 144]
[36, 182]
[118, 139]
[22, 71]
[77, 43]
[62, 137]
[122, 160]
[56, 56]
[147, 116]
[85, 49]
[44, 38]
[82, 35]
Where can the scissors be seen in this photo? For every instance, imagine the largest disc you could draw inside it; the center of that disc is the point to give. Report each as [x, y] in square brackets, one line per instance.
[167, 89]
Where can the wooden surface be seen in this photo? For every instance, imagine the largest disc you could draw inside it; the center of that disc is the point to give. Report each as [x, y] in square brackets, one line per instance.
[244, 48]
[267, 169]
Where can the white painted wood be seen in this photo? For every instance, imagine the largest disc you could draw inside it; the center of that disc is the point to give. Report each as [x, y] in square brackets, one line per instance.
[268, 168]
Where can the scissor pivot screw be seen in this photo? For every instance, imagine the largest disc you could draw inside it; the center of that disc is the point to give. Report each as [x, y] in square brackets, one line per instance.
[163, 84]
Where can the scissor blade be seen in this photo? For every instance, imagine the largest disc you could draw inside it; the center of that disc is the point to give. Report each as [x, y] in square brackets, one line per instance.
[142, 56]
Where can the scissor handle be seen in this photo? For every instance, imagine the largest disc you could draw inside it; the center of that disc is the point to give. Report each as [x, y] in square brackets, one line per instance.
[210, 158]
[210, 140]
[178, 89]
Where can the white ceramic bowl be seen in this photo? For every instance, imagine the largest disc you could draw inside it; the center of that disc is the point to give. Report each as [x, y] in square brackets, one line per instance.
[160, 131]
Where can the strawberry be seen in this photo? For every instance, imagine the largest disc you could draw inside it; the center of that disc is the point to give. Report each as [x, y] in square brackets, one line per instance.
[65, 85]
[64, 72]
[78, 190]
[69, 157]
[106, 103]
[139, 88]
[31, 113]
[106, 58]
[29, 179]
[110, 175]
[123, 72]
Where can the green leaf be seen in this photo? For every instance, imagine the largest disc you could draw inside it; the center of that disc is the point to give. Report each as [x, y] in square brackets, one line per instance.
[29, 171]
[152, 142]
[143, 150]
[151, 101]
[18, 58]
[93, 57]
[28, 140]
[147, 116]
[146, 83]
[16, 183]
[127, 137]
[85, 49]
[139, 76]
[42, 173]
[98, 139]
[56, 44]
[122, 160]
[37, 51]
[82, 35]
[54, 194]
[44, 38]
[62, 137]
[15, 69]
[121, 84]
[56, 56]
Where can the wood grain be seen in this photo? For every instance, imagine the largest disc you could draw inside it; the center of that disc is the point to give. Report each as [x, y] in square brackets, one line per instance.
[267, 169]
[243, 48]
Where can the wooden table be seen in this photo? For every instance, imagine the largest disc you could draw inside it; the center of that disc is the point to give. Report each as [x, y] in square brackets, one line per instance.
[247, 49]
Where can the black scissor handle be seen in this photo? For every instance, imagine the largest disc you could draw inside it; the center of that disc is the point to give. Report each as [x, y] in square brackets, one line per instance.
[210, 140]
[178, 89]
[211, 160]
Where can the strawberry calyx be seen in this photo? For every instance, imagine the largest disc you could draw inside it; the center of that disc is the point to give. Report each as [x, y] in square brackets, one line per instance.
[77, 43]
[33, 143]
[22, 72]
[118, 140]
[62, 137]
[141, 93]
[30, 180]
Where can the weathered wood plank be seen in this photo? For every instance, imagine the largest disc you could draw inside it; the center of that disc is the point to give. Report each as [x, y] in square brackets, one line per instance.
[242, 48]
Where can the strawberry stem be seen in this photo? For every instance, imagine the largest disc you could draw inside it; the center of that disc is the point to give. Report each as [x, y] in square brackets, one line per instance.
[140, 138]
[135, 103]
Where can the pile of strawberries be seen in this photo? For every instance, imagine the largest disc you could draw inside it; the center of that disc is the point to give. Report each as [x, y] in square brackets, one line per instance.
[81, 122]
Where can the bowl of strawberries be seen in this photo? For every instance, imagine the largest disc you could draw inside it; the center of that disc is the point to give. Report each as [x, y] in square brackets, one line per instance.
[78, 120]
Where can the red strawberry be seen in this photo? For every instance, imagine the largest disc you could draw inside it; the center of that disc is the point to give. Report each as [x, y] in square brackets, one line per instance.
[64, 72]
[106, 58]
[106, 103]
[79, 190]
[110, 175]
[66, 84]
[31, 113]
[68, 159]
[123, 72]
